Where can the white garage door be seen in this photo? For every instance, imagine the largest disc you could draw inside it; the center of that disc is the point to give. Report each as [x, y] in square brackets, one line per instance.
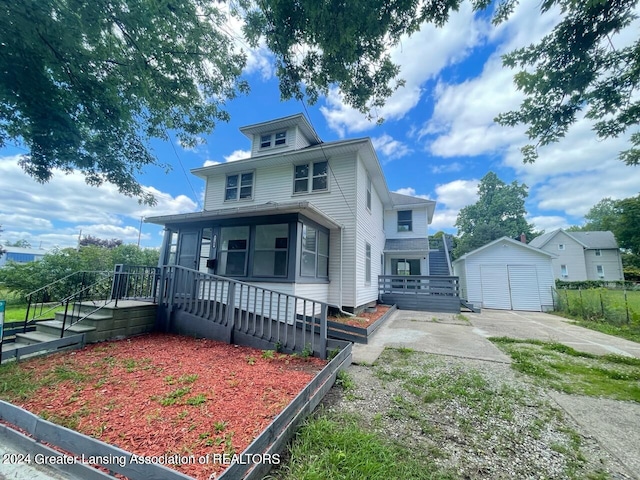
[523, 285]
[510, 287]
[495, 287]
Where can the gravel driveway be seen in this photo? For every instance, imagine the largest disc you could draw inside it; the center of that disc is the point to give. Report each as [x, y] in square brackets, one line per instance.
[610, 429]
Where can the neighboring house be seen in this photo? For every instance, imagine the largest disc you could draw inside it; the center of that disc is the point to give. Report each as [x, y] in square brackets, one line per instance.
[21, 255]
[582, 255]
[506, 274]
[303, 217]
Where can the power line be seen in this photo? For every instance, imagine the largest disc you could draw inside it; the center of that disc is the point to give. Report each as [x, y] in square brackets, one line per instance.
[184, 171]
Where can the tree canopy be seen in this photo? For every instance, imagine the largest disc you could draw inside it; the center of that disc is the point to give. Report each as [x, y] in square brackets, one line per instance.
[86, 85]
[498, 212]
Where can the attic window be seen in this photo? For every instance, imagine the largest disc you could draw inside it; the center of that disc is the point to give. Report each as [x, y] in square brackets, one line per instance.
[561, 246]
[268, 140]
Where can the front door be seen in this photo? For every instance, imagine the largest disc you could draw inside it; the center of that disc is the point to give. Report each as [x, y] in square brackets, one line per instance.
[188, 248]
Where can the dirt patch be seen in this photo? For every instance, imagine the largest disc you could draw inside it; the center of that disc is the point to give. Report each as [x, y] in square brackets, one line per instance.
[168, 395]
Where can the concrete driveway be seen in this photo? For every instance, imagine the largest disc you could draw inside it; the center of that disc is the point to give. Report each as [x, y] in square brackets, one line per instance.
[465, 335]
[614, 424]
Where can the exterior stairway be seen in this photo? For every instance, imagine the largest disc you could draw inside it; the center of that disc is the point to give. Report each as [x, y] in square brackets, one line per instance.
[438, 265]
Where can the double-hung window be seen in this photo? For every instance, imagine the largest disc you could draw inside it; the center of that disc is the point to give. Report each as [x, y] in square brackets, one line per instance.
[367, 266]
[239, 186]
[310, 177]
[405, 221]
[315, 253]
[368, 192]
[600, 271]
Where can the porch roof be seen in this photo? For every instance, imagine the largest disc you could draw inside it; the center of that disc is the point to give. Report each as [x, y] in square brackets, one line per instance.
[406, 245]
[270, 208]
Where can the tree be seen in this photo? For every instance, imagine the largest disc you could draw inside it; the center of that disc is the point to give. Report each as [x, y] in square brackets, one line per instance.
[498, 212]
[577, 68]
[2, 250]
[100, 242]
[602, 216]
[85, 85]
[22, 243]
[627, 227]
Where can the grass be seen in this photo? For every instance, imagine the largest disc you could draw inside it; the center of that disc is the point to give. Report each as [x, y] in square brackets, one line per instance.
[565, 369]
[428, 404]
[330, 446]
[603, 310]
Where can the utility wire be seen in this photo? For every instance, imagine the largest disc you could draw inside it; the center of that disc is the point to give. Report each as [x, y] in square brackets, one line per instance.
[184, 171]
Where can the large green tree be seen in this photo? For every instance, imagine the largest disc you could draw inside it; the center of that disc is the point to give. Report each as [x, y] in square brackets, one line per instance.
[576, 68]
[499, 212]
[84, 85]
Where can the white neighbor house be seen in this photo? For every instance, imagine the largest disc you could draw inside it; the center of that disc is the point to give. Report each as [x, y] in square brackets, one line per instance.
[508, 275]
[582, 255]
[303, 217]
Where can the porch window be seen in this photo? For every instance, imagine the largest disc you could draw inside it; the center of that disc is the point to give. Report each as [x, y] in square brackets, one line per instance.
[367, 266]
[271, 250]
[315, 253]
[172, 253]
[405, 221]
[312, 174]
[234, 242]
[239, 187]
[205, 249]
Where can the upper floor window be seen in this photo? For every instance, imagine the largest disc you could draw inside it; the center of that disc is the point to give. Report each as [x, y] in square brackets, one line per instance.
[310, 177]
[239, 186]
[273, 139]
[598, 252]
[369, 192]
[405, 221]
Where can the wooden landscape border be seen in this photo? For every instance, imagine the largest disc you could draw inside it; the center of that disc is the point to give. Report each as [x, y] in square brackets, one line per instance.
[350, 333]
[271, 441]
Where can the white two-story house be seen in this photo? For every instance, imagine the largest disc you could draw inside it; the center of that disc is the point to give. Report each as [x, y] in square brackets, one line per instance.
[302, 216]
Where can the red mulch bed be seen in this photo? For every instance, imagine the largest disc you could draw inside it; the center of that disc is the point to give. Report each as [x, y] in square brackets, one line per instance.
[166, 394]
[363, 320]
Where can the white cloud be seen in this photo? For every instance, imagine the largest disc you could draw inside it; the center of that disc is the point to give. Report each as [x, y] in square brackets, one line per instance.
[411, 192]
[390, 148]
[421, 57]
[237, 155]
[446, 168]
[548, 223]
[457, 194]
[54, 212]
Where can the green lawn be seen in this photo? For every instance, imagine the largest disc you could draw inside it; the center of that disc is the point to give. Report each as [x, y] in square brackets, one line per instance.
[607, 311]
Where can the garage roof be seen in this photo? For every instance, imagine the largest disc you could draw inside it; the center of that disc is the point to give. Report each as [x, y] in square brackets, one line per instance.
[507, 240]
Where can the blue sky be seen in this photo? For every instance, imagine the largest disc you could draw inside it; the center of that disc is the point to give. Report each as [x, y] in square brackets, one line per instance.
[438, 139]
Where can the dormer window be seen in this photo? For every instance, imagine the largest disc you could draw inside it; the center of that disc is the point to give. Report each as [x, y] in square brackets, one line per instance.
[273, 139]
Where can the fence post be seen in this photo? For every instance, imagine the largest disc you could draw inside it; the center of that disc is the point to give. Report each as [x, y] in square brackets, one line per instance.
[602, 306]
[626, 304]
[553, 299]
[231, 310]
[581, 303]
[323, 331]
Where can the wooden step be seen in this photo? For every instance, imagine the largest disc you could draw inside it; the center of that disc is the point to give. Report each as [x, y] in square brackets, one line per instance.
[31, 338]
[54, 327]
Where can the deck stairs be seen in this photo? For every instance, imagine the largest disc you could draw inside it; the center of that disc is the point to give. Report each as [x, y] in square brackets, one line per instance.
[438, 265]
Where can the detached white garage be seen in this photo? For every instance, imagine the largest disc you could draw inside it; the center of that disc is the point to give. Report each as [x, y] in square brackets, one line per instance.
[507, 275]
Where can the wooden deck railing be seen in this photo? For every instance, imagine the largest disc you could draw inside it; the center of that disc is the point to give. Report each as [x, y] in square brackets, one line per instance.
[282, 319]
[435, 293]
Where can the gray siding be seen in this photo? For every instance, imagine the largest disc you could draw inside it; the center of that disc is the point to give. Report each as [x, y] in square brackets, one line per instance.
[572, 256]
[609, 260]
[420, 223]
